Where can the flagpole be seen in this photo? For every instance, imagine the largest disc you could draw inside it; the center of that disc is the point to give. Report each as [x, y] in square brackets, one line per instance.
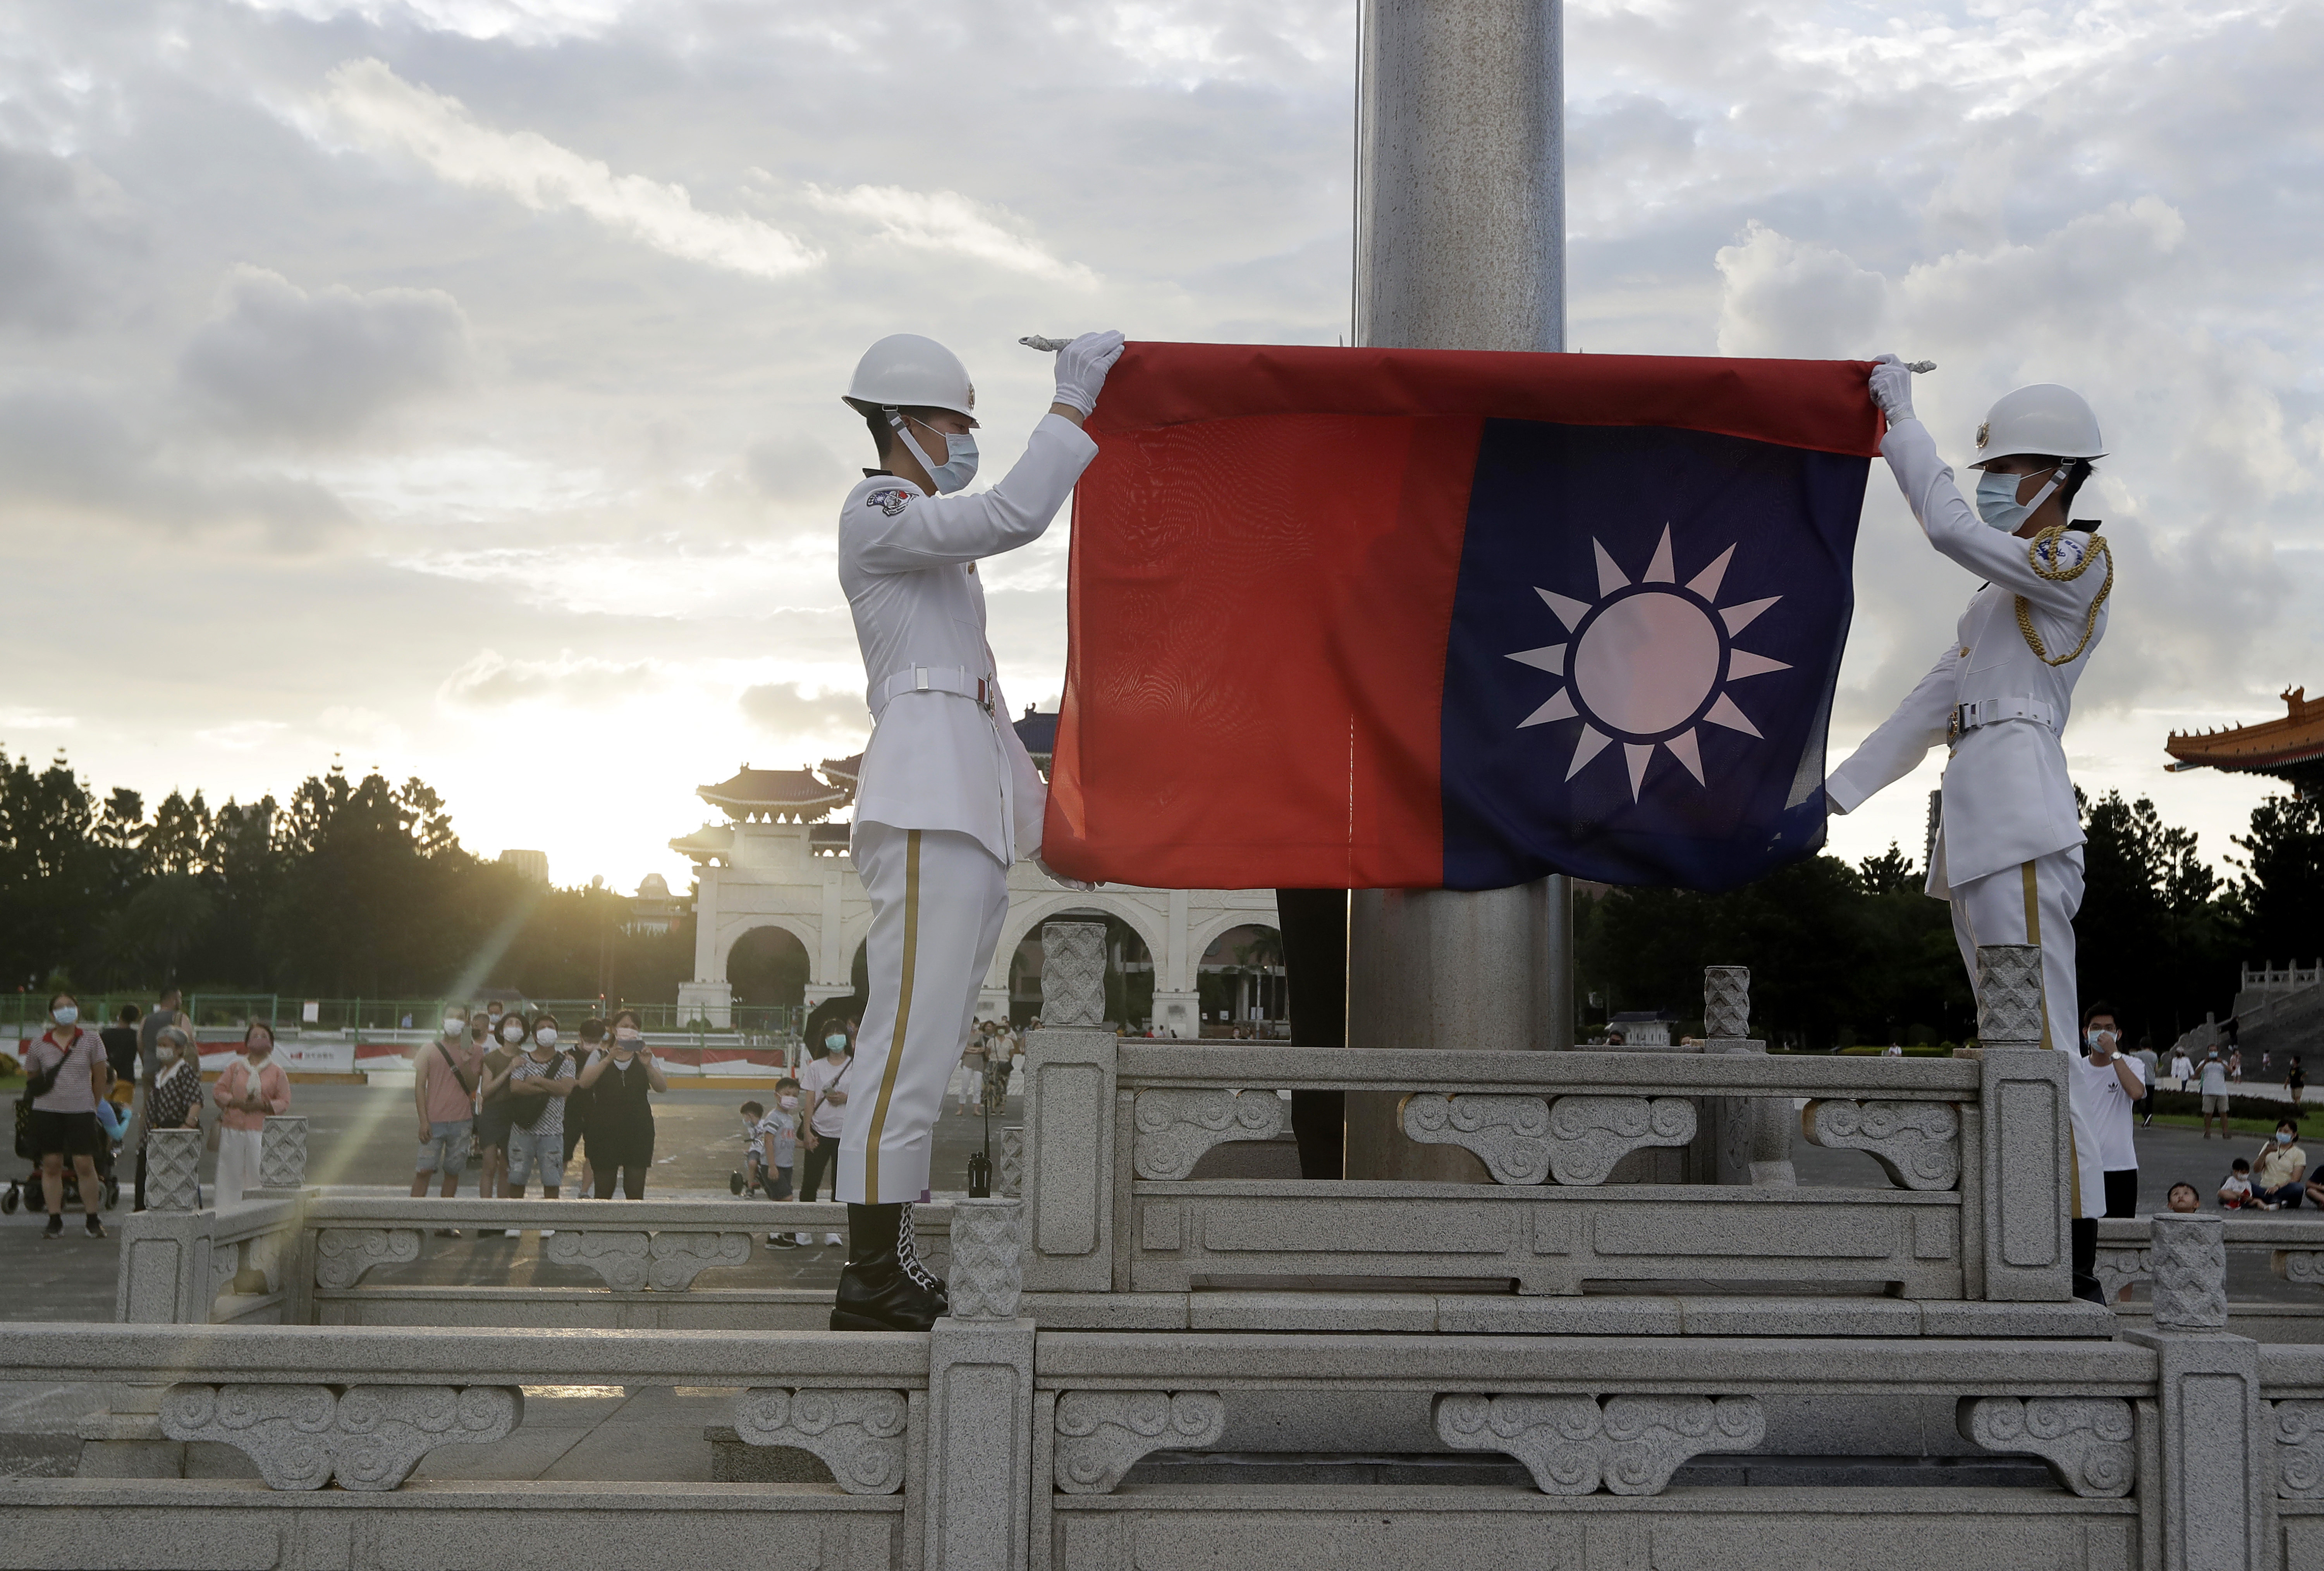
[1459, 244]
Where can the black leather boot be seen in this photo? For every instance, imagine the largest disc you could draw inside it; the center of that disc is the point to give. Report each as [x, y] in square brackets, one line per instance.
[876, 1293]
[2083, 1234]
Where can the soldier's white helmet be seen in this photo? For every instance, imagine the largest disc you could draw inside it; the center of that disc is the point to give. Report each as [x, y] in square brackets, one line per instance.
[907, 371]
[2045, 420]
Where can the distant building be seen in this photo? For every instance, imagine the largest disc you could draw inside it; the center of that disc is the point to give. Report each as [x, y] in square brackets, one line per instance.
[654, 911]
[1643, 1028]
[2291, 749]
[533, 865]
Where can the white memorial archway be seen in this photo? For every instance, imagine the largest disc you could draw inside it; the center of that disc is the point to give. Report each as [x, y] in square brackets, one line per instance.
[775, 862]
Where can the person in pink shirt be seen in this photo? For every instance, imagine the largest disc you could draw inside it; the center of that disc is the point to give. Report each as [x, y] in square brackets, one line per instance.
[249, 1089]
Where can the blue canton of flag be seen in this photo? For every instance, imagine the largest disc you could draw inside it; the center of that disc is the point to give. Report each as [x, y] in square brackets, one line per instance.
[1645, 634]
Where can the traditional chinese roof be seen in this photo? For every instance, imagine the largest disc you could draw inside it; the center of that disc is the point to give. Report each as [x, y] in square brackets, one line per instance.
[843, 772]
[1038, 733]
[776, 793]
[2291, 749]
[708, 841]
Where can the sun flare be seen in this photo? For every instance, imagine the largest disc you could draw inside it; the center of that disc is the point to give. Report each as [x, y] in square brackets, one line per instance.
[1648, 662]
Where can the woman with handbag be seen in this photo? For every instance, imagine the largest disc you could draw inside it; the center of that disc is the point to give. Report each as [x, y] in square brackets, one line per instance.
[248, 1089]
[173, 1098]
[64, 1075]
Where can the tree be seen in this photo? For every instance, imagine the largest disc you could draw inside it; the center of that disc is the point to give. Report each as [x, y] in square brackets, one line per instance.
[2279, 901]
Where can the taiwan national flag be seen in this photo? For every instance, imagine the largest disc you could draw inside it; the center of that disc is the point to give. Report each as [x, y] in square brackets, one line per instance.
[1377, 618]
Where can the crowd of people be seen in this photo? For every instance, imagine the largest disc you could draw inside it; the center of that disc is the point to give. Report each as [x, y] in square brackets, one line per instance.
[504, 1090]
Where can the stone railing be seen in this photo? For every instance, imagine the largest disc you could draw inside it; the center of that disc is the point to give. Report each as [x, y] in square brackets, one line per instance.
[1590, 1166]
[2293, 1246]
[331, 1257]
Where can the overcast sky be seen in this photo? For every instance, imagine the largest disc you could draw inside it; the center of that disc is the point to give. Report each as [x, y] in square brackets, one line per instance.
[450, 386]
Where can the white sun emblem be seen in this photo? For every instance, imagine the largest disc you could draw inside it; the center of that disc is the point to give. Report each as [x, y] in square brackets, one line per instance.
[1647, 665]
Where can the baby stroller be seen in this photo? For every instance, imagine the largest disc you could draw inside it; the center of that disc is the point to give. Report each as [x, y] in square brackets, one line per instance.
[106, 1163]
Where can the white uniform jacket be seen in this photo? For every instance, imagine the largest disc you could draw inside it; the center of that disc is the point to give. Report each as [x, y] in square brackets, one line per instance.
[2007, 797]
[908, 565]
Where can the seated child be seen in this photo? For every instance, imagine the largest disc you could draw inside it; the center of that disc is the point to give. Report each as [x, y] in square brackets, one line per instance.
[2237, 1192]
[2182, 1198]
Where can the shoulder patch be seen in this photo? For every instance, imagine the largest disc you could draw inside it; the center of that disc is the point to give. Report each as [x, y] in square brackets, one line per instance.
[889, 499]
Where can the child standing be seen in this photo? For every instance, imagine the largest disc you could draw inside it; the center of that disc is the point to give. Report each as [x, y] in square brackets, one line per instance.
[777, 1151]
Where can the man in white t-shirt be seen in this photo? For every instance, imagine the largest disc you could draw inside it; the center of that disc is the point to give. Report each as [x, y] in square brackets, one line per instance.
[2104, 1089]
[2215, 1091]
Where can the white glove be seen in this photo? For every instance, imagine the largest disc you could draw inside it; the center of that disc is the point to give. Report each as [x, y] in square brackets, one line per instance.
[1892, 388]
[1048, 872]
[1082, 366]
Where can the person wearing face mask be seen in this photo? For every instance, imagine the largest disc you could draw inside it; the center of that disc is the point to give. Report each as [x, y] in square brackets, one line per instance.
[826, 1088]
[248, 1089]
[2009, 852]
[2104, 1090]
[946, 798]
[443, 1079]
[2277, 1171]
[621, 1120]
[496, 1103]
[173, 1094]
[65, 1075]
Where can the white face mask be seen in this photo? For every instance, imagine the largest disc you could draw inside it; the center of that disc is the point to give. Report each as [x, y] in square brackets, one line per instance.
[514, 1033]
[1997, 503]
[959, 464]
[454, 1025]
[166, 1055]
[787, 1103]
[66, 1013]
[546, 1036]
[836, 1043]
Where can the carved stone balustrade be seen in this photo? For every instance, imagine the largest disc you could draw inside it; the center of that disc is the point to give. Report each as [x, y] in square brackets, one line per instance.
[1509, 1134]
[1916, 1143]
[1073, 974]
[361, 1437]
[860, 1435]
[2296, 1431]
[283, 1151]
[1588, 1134]
[1574, 1444]
[633, 1262]
[1175, 1128]
[2189, 1272]
[2302, 1266]
[988, 1272]
[1727, 1003]
[2086, 1441]
[1103, 1434]
[174, 1161]
[1012, 1161]
[2009, 995]
[343, 1255]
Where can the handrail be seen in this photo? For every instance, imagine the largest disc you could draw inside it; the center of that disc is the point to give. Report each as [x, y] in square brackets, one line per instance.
[428, 1355]
[1456, 1069]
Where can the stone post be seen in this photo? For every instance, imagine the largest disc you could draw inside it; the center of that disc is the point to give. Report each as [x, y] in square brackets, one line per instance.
[2025, 1134]
[2217, 1469]
[1069, 1118]
[174, 1161]
[980, 1440]
[1461, 245]
[282, 1152]
[1754, 1134]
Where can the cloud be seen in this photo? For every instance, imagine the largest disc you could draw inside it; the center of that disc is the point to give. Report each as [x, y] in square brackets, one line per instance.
[68, 453]
[240, 735]
[379, 109]
[274, 359]
[489, 679]
[784, 709]
[53, 248]
[1795, 299]
[794, 468]
[947, 221]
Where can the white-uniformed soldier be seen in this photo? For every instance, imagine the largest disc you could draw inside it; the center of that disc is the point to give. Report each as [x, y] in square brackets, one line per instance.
[2009, 850]
[946, 798]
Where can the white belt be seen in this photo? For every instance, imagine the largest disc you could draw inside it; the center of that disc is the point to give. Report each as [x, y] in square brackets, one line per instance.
[1968, 717]
[953, 679]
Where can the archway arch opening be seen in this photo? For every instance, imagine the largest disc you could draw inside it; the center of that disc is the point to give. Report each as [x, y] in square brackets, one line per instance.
[1240, 981]
[768, 966]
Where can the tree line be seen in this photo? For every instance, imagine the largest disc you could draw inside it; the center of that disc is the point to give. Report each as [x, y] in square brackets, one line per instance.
[1842, 955]
[349, 889]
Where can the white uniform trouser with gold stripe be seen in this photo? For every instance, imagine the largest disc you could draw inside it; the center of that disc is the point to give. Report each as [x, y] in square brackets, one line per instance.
[2035, 902]
[938, 900]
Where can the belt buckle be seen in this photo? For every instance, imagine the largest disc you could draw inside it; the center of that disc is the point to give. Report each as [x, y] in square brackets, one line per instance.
[1953, 726]
[983, 701]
